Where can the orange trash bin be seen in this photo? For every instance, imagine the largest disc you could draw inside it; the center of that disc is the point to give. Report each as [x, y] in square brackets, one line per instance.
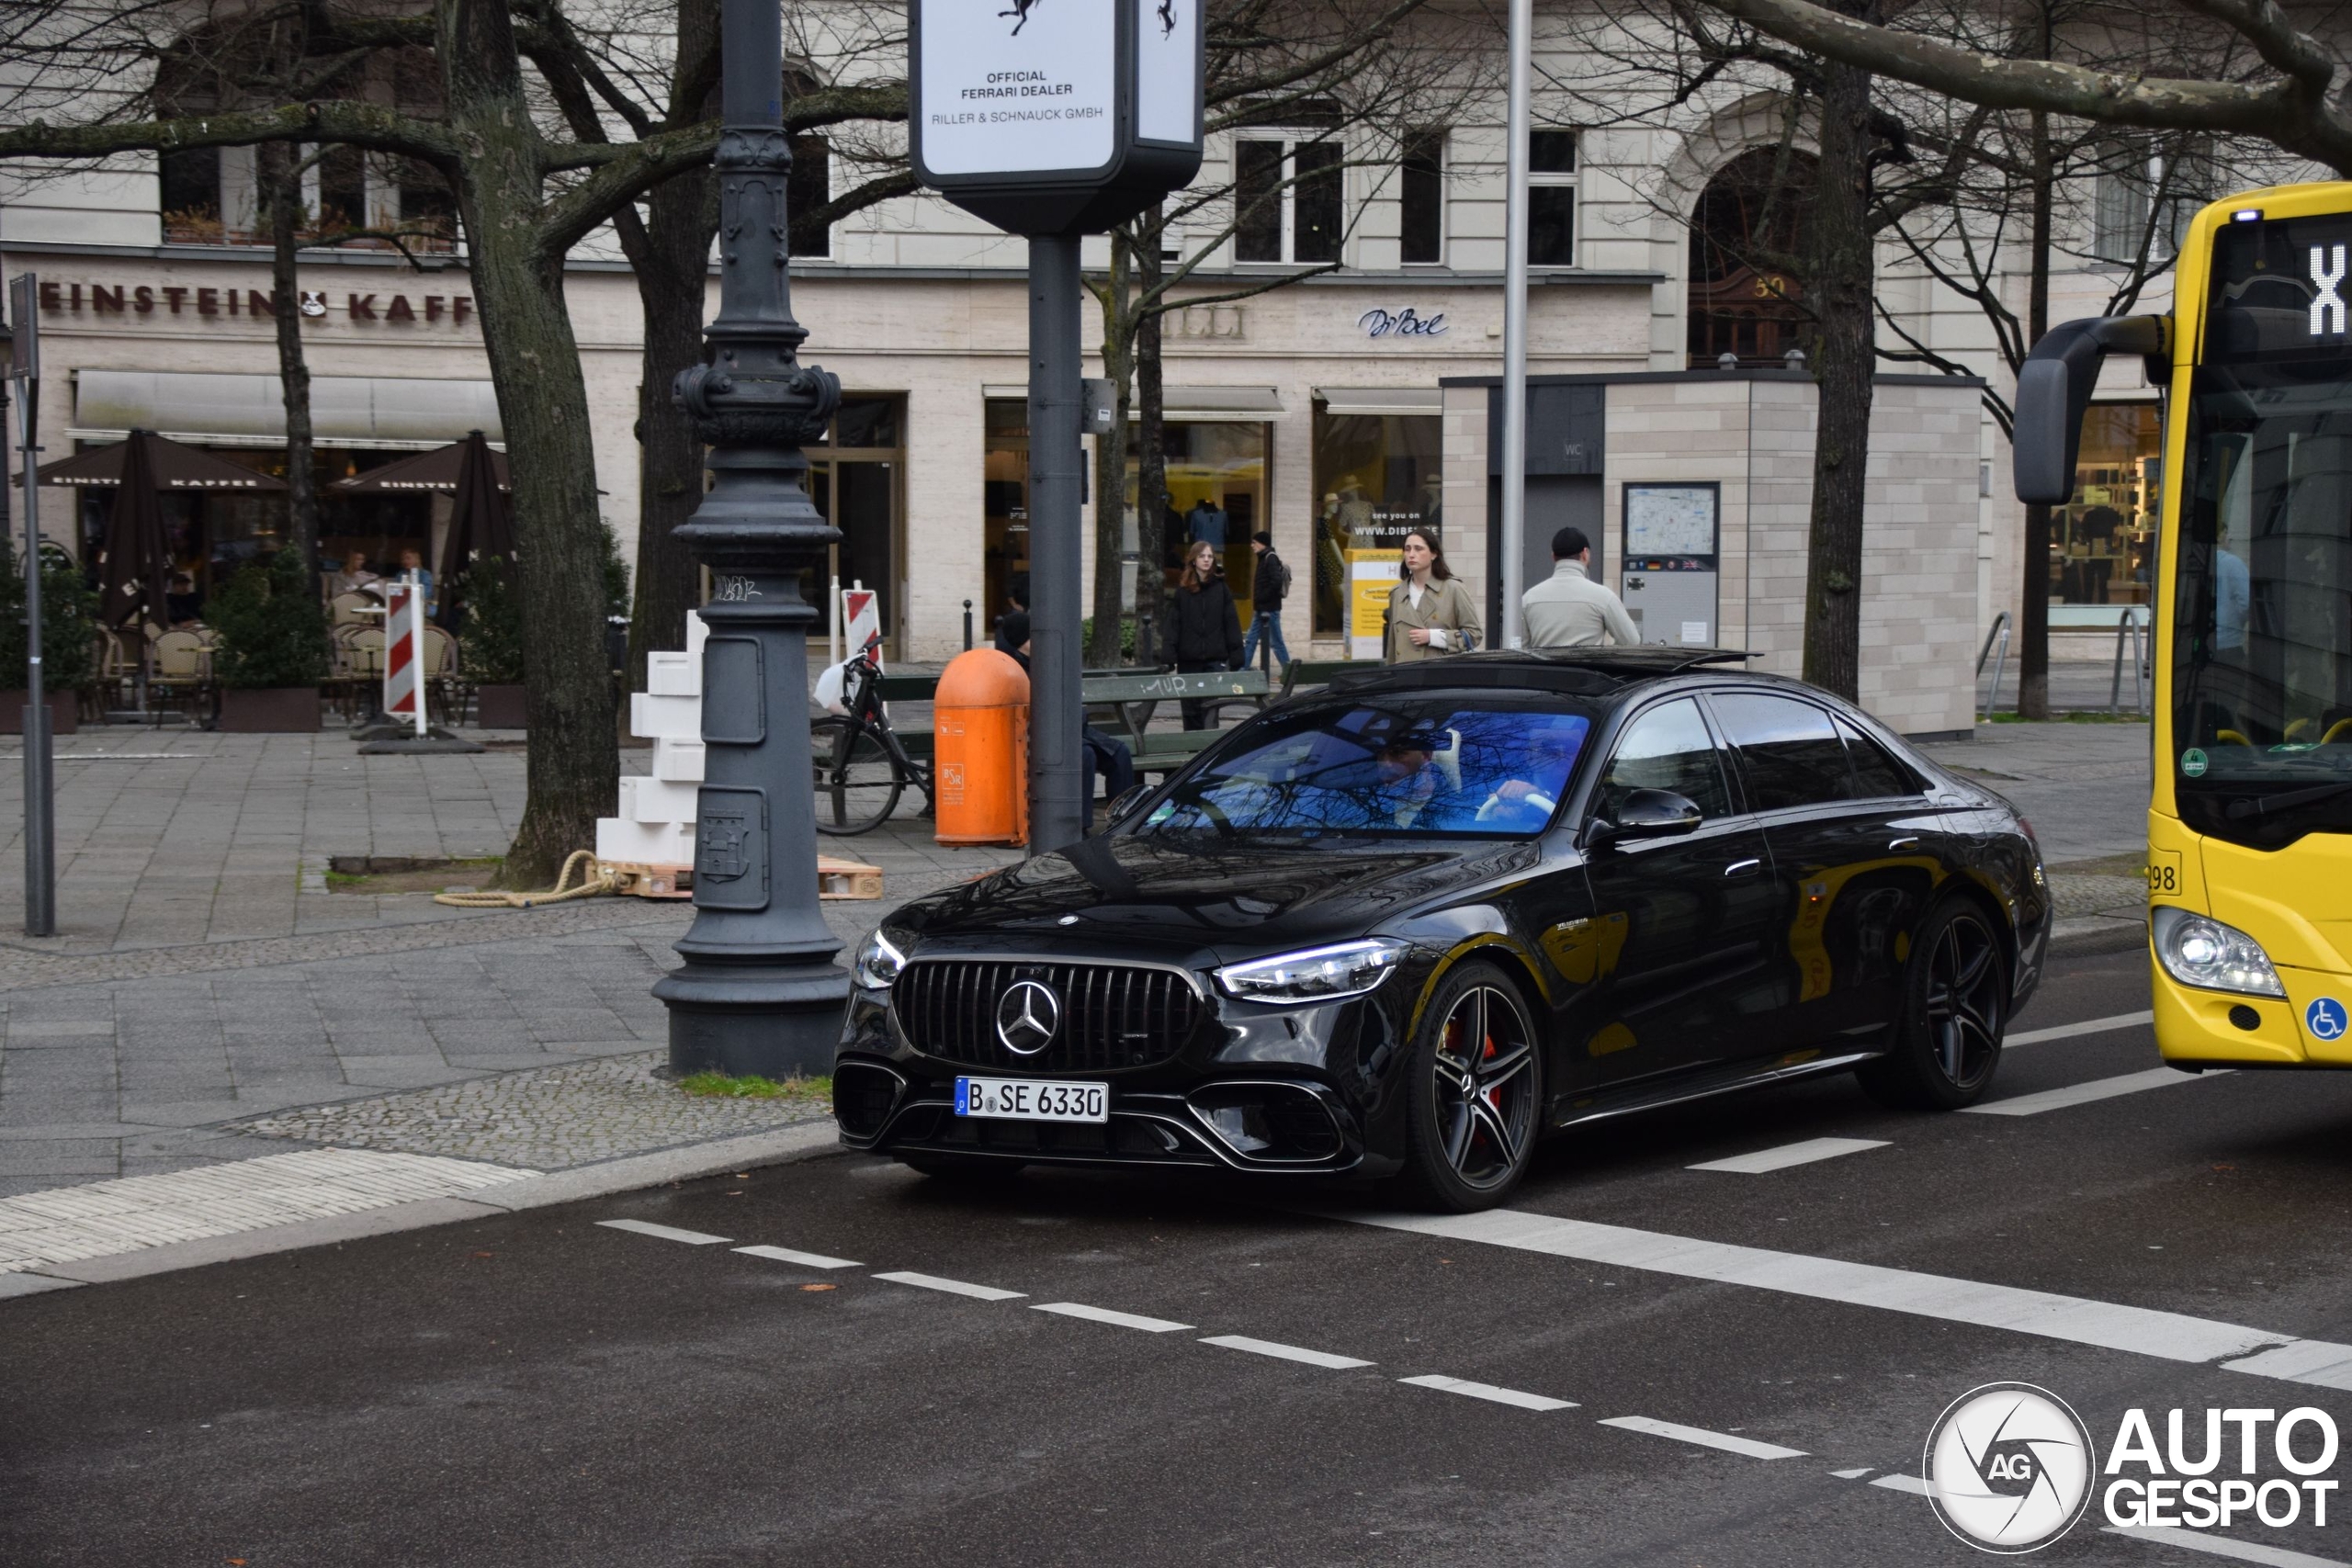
[980, 749]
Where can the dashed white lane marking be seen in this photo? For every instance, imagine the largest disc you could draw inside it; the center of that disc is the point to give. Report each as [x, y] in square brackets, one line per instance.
[99, 1219]
[2170, 1336]
[1489, 1392]
[667, 1233]
[2086, 1093]
[1117, 1319]
[1911, 1483]
[806, 1259]
[952, 1287]
[1787, 1155]
[1730, 1442]
[2222, 1546]
[2088, 1026]
[1285, 1352]
[1851, 1474]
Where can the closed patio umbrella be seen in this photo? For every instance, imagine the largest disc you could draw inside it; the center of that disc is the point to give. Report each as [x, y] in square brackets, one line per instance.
[169, 466]
[481, 525]
[136, 563]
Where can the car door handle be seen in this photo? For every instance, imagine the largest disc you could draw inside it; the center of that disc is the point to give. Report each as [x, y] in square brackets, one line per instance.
[1911, 844]
[1743, 868]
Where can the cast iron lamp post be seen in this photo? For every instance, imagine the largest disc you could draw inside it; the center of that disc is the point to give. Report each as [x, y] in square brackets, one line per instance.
[759, 992]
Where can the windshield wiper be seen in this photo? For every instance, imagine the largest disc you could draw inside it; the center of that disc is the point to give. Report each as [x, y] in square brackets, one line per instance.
[2262, 806]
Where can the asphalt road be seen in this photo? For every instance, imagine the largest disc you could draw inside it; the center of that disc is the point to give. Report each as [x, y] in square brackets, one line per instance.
[550, 1390]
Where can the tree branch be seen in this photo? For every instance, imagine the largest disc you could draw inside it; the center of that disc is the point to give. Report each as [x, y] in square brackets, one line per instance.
[335, 120]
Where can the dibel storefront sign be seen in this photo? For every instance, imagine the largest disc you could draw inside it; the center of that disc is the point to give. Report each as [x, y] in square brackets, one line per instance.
[62, 297]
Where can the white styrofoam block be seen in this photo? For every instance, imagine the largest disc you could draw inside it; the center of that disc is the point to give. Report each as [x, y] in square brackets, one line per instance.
[673, 674]
[656, 719]
[678, 761]
[697, 630]
[643, 843]
[658, 800]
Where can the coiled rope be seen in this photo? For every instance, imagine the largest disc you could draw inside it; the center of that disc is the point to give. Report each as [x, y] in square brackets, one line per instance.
[593, 882]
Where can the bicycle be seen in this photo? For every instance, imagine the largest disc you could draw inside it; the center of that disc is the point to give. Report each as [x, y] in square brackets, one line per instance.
[861, 767]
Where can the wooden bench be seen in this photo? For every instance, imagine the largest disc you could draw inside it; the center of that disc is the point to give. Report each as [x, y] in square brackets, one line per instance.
[1301, 673]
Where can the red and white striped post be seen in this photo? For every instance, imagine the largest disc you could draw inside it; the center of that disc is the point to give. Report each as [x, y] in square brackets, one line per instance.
[404, 652]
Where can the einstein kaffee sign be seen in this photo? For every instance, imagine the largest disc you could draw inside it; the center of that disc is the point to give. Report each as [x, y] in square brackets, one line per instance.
[1056, 116]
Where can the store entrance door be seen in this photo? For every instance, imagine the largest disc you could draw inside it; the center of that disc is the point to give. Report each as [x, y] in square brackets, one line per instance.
[861, 500]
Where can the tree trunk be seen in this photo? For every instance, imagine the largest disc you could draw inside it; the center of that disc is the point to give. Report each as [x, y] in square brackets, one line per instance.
[672, 263]
[1151, 456]
[573, 763]
[1118, 303]
[2033, 598]
[281, 198]
[1838, 290]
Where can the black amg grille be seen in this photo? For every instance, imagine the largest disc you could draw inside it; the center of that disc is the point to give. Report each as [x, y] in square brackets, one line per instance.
[1113, 1015]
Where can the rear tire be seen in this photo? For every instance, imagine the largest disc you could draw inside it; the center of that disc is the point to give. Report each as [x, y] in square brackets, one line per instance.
[1475, 1097]
[1946, 1041]
[857, 784]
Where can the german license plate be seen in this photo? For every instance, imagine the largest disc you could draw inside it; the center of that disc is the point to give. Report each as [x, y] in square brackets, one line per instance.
[1033, 1099]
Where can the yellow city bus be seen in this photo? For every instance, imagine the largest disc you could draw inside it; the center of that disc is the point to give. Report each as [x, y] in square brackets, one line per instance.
[2250, 822]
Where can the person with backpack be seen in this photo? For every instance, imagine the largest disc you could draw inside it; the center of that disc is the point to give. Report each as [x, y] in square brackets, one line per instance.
[1266, 593]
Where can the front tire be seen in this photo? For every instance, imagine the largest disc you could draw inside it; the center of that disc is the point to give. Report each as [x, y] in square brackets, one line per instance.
[1476, 1094]
[1946, 1041]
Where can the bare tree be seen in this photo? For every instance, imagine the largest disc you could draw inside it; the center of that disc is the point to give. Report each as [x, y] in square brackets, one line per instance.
[527, 192]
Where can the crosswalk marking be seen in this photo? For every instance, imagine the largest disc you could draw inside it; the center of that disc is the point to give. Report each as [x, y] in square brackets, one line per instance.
[1787, 1155]
[2172, 1336]
[1731, 1443]
[1116, 1319]
[666, 1233]
[2088, 1093]
[2088, 1026]
[1285, 1352]
[1487, 1391]
[1910, 1484]
[952, 1287]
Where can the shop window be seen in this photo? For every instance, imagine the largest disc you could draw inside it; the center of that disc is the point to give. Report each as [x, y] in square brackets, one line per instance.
[1004, 506]
[1377, 475]
[2103, 541]
[1287, 197]
[1552, 198]
[1421, 198]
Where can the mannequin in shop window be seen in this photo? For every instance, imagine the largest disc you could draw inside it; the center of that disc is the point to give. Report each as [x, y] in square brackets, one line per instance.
[1205, 524]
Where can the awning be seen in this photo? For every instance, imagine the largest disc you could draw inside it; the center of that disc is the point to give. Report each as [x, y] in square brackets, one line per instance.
[169, 466]
[381, 411]
[1192, 405]
[1381, 400]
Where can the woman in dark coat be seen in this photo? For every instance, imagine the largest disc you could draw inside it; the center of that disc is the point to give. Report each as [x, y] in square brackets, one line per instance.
[1204, 627]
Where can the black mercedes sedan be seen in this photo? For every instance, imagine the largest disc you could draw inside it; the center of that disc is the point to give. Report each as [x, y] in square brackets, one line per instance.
[1406, 926]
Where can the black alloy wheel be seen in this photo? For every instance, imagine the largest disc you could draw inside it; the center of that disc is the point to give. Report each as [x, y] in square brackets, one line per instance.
[857, 783]
[1946, 1041]
[1477, 1091]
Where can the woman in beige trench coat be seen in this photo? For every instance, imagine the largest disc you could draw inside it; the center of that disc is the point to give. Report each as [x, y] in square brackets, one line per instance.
[1432, 612]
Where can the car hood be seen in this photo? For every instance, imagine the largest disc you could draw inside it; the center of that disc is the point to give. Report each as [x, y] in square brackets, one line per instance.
[1169, 895]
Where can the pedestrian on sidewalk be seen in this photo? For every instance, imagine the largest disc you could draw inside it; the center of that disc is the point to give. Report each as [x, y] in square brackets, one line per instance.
[1431, 611]
[1107, 757]
[1568, 609]
[1204, 625]
[1267, 591]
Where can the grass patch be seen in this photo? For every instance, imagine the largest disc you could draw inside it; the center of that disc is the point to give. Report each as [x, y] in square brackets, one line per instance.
[395, 874]
[720, 1086]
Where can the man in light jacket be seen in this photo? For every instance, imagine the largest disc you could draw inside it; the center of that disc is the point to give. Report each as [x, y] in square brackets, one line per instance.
[1568, 609]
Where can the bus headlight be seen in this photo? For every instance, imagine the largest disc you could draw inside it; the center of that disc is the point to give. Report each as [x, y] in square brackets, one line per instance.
[2199, 951]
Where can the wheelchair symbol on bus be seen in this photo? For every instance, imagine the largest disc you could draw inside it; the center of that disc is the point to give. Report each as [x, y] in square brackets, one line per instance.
[2326, 1018]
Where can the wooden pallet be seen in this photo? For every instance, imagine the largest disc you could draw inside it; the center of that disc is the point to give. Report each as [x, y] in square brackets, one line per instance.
[836, 878]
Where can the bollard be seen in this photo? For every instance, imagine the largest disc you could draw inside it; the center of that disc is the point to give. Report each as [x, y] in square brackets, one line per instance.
[967, 626]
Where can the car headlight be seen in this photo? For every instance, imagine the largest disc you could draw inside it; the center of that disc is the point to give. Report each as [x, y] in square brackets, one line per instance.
[879, 959]
[1316, 974]
[2199, 951]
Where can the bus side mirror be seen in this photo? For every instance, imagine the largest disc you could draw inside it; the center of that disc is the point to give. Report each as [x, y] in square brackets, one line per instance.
[2054, 388]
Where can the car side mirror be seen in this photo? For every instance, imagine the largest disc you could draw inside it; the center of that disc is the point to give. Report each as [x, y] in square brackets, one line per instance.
[1645, 813]
[1126, 800]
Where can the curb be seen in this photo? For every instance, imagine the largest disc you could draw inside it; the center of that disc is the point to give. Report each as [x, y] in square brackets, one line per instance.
[784, 1146]
[2090, 935]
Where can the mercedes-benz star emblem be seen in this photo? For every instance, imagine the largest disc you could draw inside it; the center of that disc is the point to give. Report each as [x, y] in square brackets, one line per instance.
[1027, 1016]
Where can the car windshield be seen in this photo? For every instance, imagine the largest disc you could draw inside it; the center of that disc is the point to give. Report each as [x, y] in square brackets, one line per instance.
[1415, 765]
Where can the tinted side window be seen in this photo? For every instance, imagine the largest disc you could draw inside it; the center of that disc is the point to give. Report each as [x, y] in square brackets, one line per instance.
[1667, 747]
[1791, 752]
[1875, 773]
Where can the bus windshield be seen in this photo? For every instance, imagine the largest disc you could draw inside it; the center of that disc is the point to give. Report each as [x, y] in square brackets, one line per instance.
[2262, 665]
